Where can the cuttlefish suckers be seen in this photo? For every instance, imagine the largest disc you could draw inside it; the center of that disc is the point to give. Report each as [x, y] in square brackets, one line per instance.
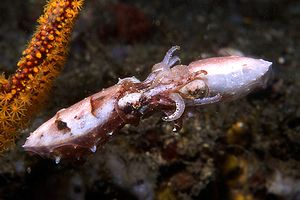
[169, 88]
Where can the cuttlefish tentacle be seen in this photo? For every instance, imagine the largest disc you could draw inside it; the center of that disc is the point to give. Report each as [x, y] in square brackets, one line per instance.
[179, 110]
[207, 100]
[173, 60]
[168, 61]
[169, 54]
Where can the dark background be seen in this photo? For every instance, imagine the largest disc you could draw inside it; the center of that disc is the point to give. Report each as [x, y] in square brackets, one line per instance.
[245, 150]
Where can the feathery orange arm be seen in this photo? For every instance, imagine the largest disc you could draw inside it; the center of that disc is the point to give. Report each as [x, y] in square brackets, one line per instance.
[41, 62]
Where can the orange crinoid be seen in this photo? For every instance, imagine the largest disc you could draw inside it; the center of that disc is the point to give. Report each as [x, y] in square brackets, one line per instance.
[41, 62]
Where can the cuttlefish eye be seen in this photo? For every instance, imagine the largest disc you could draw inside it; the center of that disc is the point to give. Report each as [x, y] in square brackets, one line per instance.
[194, 90]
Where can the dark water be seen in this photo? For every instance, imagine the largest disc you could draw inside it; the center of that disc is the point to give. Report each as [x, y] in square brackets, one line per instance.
[247, 149]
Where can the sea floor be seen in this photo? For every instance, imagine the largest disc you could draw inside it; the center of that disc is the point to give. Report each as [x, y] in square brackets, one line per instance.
[243, 150]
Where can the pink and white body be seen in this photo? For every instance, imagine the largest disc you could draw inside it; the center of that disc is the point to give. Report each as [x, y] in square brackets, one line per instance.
[88, 124]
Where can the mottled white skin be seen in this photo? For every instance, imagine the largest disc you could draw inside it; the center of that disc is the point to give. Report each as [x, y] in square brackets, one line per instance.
[233, 76]
[82, 125]
[220, 79]
[168, 88]
[132, 99]
[85, 123]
